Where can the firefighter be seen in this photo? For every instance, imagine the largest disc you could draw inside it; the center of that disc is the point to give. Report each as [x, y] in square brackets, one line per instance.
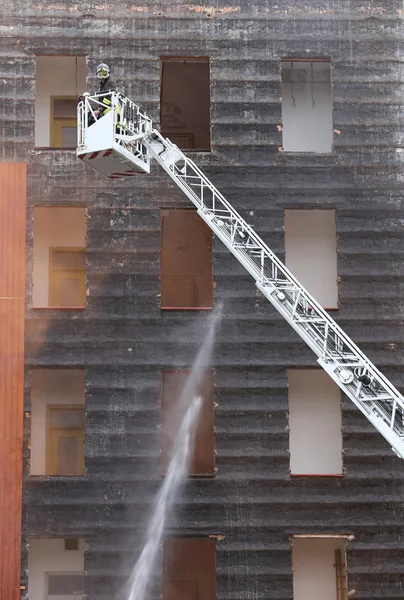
[107, 84]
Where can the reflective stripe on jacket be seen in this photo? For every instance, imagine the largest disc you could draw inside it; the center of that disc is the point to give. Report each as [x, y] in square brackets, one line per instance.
[107, 85]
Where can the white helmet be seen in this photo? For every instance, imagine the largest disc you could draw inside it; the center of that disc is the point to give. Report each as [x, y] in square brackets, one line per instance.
[103, 71]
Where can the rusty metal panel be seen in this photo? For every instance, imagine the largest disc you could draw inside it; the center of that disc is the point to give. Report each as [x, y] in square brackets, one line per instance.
[173, 408]
[189, 569]
[186, 260]
[12, 302]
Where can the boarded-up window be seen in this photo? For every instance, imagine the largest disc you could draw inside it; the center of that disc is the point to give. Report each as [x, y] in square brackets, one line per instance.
[67, 277]
[174, 406]
[185, 102]
[186, 260]
[65, 440]
[306, 106]
[315, 423]
[319, 568]
[311, 252]
[189, 569]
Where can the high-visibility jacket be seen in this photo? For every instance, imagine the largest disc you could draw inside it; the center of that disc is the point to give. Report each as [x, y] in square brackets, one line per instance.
[107, 85]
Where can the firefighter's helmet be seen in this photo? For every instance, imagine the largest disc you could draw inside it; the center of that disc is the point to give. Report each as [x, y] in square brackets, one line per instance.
[103, 71]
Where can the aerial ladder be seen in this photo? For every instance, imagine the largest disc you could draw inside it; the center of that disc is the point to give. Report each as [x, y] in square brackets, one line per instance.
[122, 144]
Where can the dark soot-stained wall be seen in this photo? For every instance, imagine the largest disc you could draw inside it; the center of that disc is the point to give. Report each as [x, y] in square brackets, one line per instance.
[124, 340]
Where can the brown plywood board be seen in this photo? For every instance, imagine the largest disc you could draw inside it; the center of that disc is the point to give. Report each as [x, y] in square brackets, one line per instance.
[12, 301]
[186, 260]
[173, 410]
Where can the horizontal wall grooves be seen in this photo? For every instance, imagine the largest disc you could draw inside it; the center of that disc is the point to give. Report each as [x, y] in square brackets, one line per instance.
[124, 340]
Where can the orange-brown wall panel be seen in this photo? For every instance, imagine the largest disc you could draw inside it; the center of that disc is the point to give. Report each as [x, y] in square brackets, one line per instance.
[12, 300]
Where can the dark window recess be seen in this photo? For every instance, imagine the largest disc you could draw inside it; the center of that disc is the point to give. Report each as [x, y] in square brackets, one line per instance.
[186, 260]
[185, 103]
[65, 585]
[173, 409]
[189, 569]
[71, 544]
[65, 107]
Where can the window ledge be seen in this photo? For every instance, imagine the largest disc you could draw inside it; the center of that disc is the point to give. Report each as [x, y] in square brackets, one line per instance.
[195, 476]
[43, 308]
[58, 477]
[339, 475]
[318, 158]
[186, 307]
[52, 149]
[308, 153]
[310, 308]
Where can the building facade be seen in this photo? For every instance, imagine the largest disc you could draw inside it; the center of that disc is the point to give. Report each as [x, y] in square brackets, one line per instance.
[294, 110]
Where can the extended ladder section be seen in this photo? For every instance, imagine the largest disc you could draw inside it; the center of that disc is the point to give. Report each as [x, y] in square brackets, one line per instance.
[344, 362]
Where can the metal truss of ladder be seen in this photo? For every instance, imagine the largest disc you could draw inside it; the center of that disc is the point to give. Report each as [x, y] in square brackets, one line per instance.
[344, 362]
[358, 378]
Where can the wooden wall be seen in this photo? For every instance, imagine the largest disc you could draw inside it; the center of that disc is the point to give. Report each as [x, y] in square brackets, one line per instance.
[12, 301]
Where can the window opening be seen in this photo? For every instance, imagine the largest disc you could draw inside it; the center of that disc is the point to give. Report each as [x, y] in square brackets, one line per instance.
[311, 252]
[53, 572]
[315, 423]
[57, 423]
[203, 460]
[189, 569]
[185, 102]
[62, 584]
[306, 106]
[319, 569]
[186, 261]
[71, 544]
[59, 271]
[67, 277]
[65, 443]
[58, 82]
[63, 125]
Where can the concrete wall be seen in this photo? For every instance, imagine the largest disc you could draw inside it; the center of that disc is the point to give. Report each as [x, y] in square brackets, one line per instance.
[124, 341]
[55, 76]
[47, 557]
[53, 228]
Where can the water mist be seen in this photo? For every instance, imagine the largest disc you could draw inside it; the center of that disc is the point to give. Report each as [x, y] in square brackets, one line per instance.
[178, 466]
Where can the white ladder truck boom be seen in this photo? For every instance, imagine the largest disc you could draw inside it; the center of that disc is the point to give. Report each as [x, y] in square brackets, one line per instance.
[122, 143]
